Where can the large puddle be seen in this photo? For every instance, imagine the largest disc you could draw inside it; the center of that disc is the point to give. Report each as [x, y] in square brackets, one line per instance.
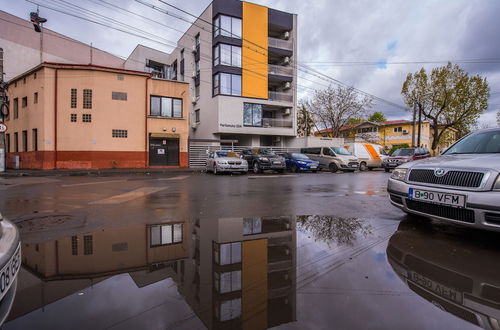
[261, 272]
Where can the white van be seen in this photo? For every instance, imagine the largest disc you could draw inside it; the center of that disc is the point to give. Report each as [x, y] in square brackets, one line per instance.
[370, 155]
[332, 158]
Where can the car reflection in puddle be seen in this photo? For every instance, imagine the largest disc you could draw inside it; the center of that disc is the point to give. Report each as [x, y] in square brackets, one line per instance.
[455, 269]
[213, 273]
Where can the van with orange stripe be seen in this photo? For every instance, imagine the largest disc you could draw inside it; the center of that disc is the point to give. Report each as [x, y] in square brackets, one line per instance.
[370, 155]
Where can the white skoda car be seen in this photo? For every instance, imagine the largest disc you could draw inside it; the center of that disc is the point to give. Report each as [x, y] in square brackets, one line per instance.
[462, 185]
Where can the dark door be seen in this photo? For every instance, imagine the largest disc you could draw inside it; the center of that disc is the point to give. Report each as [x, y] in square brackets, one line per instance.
[163, 152]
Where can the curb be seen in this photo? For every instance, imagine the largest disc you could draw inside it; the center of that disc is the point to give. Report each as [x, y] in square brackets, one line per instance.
[104, 172]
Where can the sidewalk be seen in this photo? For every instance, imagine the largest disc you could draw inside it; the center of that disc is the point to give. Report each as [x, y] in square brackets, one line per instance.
[101, 172]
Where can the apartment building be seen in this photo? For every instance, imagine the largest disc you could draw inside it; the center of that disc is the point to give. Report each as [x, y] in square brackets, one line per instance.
[88, 116]
[238, 60]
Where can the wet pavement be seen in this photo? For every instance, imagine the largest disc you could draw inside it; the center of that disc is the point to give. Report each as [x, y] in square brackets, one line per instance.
[195, 251]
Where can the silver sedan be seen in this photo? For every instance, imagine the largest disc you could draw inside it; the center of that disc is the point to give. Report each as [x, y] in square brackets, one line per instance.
[224, 161]
[461, 186]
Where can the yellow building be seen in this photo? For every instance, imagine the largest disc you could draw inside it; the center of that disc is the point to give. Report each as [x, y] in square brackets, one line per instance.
[88, 116]
[386, 133]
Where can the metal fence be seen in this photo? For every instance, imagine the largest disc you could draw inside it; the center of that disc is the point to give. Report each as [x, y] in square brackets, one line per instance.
[198, 152]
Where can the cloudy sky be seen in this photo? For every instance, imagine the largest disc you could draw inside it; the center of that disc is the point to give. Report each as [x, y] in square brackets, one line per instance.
[368, 44]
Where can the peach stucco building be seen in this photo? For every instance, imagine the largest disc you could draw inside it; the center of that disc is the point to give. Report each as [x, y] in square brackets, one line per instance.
[88, 116]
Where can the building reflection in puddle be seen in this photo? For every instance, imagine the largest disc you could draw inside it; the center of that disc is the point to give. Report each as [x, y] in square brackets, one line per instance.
[457, 270]
[233, 273]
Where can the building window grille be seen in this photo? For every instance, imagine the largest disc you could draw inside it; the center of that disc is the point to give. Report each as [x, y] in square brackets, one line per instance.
[119, 133]
[88, 247]
[74, 245]
[87, 118]
[73, 98]
[121, 96]
[73, 117]
[87, 99]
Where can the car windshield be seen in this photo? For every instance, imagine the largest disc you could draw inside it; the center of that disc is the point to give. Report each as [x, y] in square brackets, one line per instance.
[341, 151]
[299, 156]
[266, 152]
[478, 143]
[221, 153]
[403, 152]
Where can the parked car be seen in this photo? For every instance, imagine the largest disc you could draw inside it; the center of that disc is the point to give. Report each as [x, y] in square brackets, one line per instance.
[332, 158]
[224, 161]
[261, 159]
[462, 185]
[10, 262]
[404, 155]
[370, 155]
[297, 162]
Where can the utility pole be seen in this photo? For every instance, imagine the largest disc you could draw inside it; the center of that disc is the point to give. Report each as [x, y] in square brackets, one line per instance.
[419, 125]
[3, 153]
[413, 129]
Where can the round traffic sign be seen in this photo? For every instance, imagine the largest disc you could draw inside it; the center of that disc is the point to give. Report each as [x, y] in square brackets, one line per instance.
[3, 127]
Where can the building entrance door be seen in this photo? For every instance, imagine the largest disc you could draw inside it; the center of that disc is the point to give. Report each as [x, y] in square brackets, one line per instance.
[163, 152]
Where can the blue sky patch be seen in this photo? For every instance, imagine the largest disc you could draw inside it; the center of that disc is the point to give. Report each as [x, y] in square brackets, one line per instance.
[391, 45]
[381, 64]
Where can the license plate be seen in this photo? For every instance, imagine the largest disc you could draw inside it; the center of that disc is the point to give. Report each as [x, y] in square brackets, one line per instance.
[313, 166]
[437, 197]
[392, 164]
[9, 272]
[354, 165]
[276, 163]
[439, 289]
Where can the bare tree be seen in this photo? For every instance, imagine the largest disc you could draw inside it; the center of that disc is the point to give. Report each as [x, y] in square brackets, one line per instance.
[334, 107]
[305, 121]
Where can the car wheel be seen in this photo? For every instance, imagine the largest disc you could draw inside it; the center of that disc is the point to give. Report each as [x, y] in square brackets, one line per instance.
[333, 167]
[256, 168]
[362, 166]
[294, 168]
[387, 170]
[370, 168]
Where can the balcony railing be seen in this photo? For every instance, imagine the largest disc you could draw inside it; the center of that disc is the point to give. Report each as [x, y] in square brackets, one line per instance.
[280, 70]
[280, 43]
[283, 97]
[272, 122]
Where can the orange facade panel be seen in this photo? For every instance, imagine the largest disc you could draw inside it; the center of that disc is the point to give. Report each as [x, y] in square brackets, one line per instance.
[254, 51]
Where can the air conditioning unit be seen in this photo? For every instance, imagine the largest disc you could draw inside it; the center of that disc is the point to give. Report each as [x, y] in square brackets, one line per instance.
[194, 99]
[405, 131]
[193, 74]
[287, 111]
[194, 125]
[286, 60]
[286, 35]
[287, 85]
[193, 48]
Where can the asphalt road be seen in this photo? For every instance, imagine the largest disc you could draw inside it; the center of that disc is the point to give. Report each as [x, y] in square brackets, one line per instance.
[338, 255]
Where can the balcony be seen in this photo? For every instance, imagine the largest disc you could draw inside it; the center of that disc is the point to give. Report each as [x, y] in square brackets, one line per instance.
[280, 70]
[282, 97]
[273, 122]
[280, 43]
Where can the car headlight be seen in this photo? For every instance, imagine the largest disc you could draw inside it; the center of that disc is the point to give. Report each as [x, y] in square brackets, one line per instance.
[301, 162]
[264, 159]
[221, 162]
[399, 174]
[497, 184]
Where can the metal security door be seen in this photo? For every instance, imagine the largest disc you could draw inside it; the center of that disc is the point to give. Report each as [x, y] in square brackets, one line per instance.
[172, 152]
[157, 152]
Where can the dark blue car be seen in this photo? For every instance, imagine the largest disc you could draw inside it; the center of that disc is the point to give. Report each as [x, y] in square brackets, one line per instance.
[297, 162]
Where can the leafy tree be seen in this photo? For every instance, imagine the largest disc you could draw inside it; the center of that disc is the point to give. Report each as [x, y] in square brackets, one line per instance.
[355, 120]
[449, 97]
[334, 107]
[398, 146]
[305, 121]
[377, 117]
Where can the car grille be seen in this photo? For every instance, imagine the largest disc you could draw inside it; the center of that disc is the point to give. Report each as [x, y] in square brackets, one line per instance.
[396, 199]
[393, 160]
[234, 162]
[353, 164]
[453, 213]
[451, 178]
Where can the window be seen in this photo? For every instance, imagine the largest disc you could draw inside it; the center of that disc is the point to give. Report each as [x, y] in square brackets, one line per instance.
[87, 99]
[197, 40]
[119, 133]
[87, 245]
[197, 67]
[252, 114]
[73, 117]
[197, 116]
[311, 151]
[34, 139]
[120, 77]
[25, 141]
[197, 91]
[35, 98]
[227, 55]
[119, 96]
[7, 138]
[166, 107]
[227, 26]
[252, 226]
[159, 70]
[73, 98]
[227, 254]
[16, 142]
[24, 102]
[16, 108]
[165, 234]
[74, 245]
[398, 129]
[227, 282]
[87, 118]
[228, 310]
[227, 84]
